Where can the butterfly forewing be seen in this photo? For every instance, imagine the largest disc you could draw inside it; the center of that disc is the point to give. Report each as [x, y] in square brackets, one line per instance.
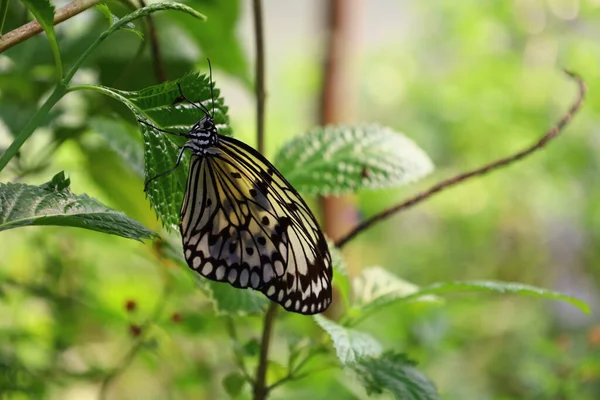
[243, 223]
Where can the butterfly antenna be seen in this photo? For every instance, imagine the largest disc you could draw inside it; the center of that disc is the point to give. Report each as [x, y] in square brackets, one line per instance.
[201, 107]
[211, 88]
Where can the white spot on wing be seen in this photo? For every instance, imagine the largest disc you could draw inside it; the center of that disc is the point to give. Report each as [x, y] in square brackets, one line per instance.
[207, 269]
[220, 273]
[197, 261]
[232, 275]
[255, 280]
[244, 277]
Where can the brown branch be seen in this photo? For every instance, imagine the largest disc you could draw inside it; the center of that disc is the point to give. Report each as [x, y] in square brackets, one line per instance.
[260, 74]
[261, 390]
[550, 134]
[159, 67]
[30, 29]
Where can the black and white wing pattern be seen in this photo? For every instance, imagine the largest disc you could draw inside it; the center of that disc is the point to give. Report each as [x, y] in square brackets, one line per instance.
[243, 223]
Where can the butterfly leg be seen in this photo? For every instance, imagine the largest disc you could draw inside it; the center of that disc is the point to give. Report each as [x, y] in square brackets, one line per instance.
[162, 130]
[179, 157]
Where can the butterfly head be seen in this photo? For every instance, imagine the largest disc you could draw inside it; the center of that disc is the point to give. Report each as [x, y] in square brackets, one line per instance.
[203, 134]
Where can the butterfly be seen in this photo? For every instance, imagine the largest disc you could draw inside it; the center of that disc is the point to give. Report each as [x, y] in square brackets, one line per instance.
[243, 223]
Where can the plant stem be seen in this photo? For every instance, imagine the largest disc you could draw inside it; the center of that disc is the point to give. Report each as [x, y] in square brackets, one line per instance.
[260, 75]
[31, 126]
[3, 12]
[30, 29]
[550, 134]
[62, 87]
[260, 387]
[159, 67]
[261, 391]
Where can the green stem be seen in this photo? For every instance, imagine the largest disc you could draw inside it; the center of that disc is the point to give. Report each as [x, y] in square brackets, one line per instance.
[3, 12]
[62, 88]
[33, 123]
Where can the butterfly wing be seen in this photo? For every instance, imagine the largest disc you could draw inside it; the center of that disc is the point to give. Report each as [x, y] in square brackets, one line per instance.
[243, 223]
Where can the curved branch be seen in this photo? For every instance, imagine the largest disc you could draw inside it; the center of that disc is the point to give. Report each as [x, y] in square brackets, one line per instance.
[550, 134]
[30, 29]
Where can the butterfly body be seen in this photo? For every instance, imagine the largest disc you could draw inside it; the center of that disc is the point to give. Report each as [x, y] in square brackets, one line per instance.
[243, 223]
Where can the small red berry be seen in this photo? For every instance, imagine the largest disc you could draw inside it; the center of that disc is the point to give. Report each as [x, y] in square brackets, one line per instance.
[130, 305]
[135, 330]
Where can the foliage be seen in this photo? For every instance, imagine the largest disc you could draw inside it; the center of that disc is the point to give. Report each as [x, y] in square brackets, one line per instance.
[132, 321]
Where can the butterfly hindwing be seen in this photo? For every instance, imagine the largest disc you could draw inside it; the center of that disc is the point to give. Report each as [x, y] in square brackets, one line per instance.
[243, 223]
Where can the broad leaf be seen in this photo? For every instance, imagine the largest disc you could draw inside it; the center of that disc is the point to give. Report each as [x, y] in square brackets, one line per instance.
[43, 11]
[350, 345]
[397, 374]
[341, 159]
[376, 288]
[499, 287]
[163, 106]
[54, 204]
[229, 300]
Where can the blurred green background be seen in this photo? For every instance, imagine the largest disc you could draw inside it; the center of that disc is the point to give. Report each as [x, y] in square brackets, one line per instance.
[469, 81]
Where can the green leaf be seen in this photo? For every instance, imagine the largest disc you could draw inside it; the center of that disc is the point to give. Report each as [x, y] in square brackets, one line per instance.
[229, 300]
[340, 274]
[350, 345]
[163, 106]
[53, 204]
[233, 384]
[218, 37]
[397, 374]
[112, 19]
[344, 159]
[500, 287]
[123, 139]
[43, 11]
[376, 288]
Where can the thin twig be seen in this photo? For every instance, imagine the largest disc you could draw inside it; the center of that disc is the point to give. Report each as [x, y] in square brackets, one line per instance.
[260, 75]
[129, 357]
[260, 387]
[140, 341]
[159, 67]
[550, 134]
[261, 390]
[32, 28]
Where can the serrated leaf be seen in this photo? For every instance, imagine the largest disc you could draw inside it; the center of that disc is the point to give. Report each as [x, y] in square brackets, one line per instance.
[397, 374]
[376, 288]
[233, 384]
[344, 159]
[500, 287]
[350, 345]
[43, 11]
[53, 204]
[228, 300]
[112, 19]
[123, 139]
[162, 106]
